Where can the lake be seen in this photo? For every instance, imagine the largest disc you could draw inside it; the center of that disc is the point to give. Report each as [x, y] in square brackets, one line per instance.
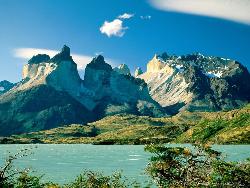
[62, 163]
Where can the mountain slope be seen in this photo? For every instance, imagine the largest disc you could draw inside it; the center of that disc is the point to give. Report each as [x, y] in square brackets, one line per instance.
[232, 127]
[52, 94]
[38, 108]
[111, 92]
[197, 83]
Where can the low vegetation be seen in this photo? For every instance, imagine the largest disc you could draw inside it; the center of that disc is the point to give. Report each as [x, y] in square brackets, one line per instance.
[169, 167]
[195, 167]
[232, 127]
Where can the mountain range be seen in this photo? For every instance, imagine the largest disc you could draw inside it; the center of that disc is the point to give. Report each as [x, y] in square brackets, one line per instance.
[52, 94]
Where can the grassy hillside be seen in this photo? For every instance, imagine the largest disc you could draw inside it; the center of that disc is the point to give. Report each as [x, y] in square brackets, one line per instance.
[118, 129]
[207, 127]
[231, 127]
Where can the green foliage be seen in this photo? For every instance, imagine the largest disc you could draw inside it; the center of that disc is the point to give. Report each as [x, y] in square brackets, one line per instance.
[13, 178]
[8, 173]
[91, 179]
[195, 167]
[220, 130]
[27, 181]
[230, 174]
[232, 127]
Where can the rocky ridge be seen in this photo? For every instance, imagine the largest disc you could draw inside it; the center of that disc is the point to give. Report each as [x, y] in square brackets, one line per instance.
[197, 83]
[52, 94]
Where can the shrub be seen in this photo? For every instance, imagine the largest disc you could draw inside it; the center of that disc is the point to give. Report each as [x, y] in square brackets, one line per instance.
[198, 167]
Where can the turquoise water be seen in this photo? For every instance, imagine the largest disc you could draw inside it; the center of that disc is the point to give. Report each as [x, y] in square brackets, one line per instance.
[62, 163]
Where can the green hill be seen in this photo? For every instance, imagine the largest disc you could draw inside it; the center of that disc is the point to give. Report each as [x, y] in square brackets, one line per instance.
[232, 127]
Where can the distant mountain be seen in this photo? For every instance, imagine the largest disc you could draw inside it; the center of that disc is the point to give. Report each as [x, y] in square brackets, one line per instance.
[5, 86]
[52, 94]
[197, 83]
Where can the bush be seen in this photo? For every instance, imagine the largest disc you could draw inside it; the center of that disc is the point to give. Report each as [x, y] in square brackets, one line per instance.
[201, 167]
[91, 179]
[13, 178]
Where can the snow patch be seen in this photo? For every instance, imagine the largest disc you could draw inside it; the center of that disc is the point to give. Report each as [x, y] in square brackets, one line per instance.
[225, 59]
[180, 68]
[2, 89]
[211, 74]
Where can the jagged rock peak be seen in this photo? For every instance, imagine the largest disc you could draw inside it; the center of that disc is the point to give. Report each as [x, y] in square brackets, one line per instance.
[138, 71]
[5, 86]
[99, 64]
[39, 59]
[65, 50]
[122, 69]
[155, 65]
[64, 55]
[164, 56]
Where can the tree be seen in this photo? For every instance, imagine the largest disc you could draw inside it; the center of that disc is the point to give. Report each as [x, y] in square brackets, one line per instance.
[195, 167]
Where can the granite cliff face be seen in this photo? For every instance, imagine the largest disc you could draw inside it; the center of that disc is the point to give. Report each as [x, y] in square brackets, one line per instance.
[48, 96]
[197, 83]
[114, 91]
[52, 94]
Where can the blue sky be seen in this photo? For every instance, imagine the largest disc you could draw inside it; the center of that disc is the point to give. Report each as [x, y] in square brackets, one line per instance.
[49, 24]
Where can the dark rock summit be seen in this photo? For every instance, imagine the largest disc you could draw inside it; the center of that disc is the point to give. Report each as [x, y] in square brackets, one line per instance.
[98, 63]
[64, 55]
[39, 59]
[5, 86]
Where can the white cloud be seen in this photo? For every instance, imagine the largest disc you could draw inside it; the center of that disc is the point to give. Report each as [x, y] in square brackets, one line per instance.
[234, 10]
[126, 16]
[147, 17]
[114, 28]
[80, 60]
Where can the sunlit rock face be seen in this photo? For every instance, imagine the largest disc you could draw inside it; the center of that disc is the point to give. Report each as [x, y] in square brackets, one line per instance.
[197, 82]
[51, 94]
[104, 91]
[60, 72]
[166, 84]
[155, 65]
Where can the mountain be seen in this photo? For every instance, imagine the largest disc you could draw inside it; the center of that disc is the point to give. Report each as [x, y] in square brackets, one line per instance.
[52, 94]
[197, 83]
[109, 91]
[5, 86]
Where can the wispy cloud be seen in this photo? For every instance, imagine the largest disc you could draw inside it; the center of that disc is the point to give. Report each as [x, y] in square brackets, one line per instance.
[126, 16]
[80, 60]
[114, 28]
[234, 10]
[147, 17]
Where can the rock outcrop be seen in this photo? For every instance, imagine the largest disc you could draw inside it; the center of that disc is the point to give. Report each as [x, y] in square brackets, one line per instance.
[138, 72]
[5, 86]
[197, 83]
[52, 94]
[114, 92]
[122, 69]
